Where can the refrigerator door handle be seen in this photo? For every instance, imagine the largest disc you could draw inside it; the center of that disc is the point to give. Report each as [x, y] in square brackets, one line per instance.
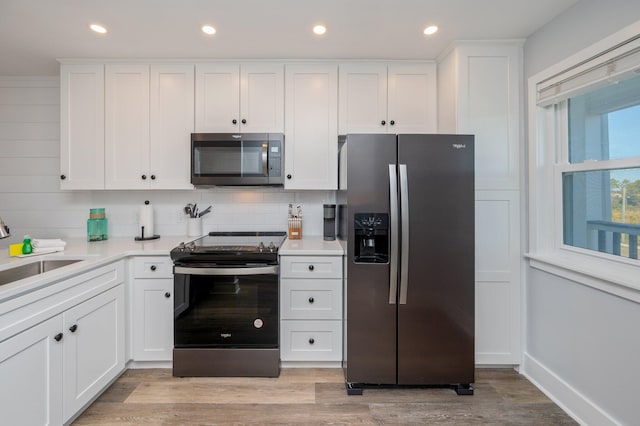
[393, 241]
[404, 212]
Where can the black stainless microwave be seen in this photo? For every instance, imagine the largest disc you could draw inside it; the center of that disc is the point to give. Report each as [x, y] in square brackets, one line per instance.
[224, 159]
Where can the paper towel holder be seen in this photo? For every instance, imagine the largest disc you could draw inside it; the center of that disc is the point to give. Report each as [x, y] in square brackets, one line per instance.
[141, 237]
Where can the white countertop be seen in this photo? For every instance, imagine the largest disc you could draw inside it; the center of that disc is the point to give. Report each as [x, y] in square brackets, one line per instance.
[98, 253]
[93, 254]
[311, 246]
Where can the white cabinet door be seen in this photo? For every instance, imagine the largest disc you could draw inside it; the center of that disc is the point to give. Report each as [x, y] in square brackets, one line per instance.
[412, 104]
[152, 319]
[363, 98]
[311, 127]
[171, 125]
[261, 98]
[82, 126]
[217, 98]
[127, 127]
[94, 347]
[31, 376]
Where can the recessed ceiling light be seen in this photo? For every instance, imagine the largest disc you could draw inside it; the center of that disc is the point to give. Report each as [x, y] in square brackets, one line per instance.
[208, 29]
[98, 28]
[319, 29]
[431, 29]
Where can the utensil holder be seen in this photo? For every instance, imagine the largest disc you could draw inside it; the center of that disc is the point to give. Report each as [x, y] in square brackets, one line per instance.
[194, 227]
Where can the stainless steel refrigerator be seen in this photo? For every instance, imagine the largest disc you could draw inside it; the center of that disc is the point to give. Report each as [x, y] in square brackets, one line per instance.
[407, 215]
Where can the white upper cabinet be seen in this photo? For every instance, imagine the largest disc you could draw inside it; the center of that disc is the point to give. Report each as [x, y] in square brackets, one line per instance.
[239, 98]
[127, 127]
[149, 119]
[311, 133]
[171, 125]
[388, 98]
[82, 126]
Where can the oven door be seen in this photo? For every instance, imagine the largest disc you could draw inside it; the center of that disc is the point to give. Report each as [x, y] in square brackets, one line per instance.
[226, 307]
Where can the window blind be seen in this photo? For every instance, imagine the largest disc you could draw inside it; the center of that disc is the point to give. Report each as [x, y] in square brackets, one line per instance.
[609, 67]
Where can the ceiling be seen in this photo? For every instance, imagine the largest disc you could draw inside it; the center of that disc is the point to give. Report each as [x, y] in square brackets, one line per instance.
[33, 33]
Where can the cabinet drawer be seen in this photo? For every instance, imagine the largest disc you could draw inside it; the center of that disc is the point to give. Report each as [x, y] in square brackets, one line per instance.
[152, 267]
[310, 340]
[311, 299]
[311, 266]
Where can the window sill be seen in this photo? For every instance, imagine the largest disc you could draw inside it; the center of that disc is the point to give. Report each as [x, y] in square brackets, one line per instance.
[617, 278]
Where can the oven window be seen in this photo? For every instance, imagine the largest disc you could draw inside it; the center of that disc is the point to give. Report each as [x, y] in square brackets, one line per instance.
[236, 158]
[226, 311]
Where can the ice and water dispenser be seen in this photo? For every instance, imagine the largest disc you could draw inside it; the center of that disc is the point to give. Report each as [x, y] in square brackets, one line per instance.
[371, 237]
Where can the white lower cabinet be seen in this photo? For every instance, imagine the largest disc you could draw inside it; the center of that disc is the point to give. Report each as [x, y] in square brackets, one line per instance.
[311, 309]
[31, 376]
[152, 316]
[93, 348]
[52, 369]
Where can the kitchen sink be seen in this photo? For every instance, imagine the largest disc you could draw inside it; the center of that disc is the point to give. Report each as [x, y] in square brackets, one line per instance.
[31, 269]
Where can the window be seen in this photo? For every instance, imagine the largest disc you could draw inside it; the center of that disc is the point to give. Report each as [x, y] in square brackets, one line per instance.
[600, 193]
[584, 166]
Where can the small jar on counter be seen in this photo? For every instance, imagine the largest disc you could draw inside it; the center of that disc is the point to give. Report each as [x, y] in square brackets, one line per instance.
[97, 225]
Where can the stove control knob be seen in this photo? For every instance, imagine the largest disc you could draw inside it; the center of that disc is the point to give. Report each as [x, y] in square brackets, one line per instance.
[181, 246]
[272, 247]
[191, 246]
[261, 246]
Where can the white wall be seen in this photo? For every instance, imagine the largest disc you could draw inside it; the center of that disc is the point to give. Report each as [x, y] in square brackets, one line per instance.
[582, 345]
[32, 203]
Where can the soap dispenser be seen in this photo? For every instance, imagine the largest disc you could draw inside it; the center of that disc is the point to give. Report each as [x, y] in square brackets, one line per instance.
[27, 248]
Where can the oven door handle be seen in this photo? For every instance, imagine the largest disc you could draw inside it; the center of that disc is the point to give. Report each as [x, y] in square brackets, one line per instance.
[226, 271]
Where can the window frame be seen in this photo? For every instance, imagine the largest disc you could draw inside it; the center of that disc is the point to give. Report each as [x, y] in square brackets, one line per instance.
[548, 160]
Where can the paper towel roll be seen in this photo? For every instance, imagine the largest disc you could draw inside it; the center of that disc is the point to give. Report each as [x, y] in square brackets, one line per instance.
[146, 220]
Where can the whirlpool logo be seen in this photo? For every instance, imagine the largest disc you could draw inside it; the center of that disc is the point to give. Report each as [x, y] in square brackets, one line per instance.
[225, 335]
[459, 145]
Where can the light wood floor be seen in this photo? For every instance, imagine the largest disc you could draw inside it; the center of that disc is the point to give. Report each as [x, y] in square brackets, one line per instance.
[315, 397]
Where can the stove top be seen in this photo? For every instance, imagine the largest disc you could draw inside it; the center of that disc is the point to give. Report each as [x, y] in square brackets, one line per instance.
[226, 246]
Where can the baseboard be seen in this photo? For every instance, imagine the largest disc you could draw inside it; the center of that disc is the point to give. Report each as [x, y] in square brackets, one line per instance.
[576, 405]
[310, 364]
[134, 365]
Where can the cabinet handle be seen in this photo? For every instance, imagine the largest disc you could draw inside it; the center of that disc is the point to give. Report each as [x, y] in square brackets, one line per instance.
[244, 121]
[383, 122]
[392, 122]
[311, 300]
[153, 177]
[311, 267]
[57, 337]
[153, 267]
[288, 176]
[167, 295]
[73, 328]
[144, 177]
[234, 121]
[311, 341]
[63, 177]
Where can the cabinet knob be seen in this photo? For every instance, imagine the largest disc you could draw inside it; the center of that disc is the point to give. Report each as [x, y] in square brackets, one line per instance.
[244, 121]
[392, 122]
[167, 295]
[57, 337]
[383, 122]
[63, 177]
[288, 176]
[311, 267]
[144, 177]
[234, 121]
[311, 300]
[153, 267]
[73, 328]
[311, 341]
[153, 177]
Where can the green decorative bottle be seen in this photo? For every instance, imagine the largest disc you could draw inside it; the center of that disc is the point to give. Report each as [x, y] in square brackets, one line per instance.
[97, 225]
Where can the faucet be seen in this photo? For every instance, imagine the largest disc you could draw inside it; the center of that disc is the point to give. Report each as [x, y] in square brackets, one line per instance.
[4, 230]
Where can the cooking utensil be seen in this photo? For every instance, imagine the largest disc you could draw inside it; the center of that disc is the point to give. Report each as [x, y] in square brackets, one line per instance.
[205, 211]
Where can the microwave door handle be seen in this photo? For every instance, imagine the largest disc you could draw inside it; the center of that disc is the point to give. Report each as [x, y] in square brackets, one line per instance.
[265, 156]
